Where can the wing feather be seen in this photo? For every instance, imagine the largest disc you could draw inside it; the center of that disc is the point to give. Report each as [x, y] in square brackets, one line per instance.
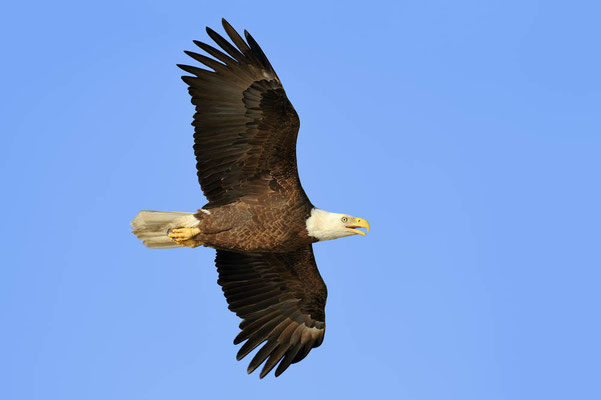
[245, 128]
[281, 299]
[214, 52]
[262, 355]
[225, 45]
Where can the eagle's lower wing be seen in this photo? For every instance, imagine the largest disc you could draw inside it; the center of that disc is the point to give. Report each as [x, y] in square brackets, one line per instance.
[245, 127]
[281, 299]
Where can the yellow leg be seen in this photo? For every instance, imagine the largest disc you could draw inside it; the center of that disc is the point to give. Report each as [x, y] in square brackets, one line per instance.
[185, 236]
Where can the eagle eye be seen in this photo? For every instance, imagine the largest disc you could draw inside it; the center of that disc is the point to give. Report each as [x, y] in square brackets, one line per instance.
[344, 219]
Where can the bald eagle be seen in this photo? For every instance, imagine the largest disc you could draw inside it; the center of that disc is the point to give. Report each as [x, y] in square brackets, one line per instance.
[258, 217]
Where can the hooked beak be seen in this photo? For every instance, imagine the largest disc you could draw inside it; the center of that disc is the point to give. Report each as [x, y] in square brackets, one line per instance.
[358, 223]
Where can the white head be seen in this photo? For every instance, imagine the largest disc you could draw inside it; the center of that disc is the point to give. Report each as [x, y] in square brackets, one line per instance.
[325, 225]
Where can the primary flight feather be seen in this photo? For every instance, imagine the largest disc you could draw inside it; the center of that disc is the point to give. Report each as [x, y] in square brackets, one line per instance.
[258, 217]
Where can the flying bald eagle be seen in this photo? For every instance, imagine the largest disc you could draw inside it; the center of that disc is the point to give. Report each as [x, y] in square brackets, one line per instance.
[258, 217]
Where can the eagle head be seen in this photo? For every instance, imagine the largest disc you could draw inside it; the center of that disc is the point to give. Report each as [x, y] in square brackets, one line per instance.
[324, 225]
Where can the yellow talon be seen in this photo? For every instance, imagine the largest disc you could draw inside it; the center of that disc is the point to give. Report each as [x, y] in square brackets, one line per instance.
[185, 236]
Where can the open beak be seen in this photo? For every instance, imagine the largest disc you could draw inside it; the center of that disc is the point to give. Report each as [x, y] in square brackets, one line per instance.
[358, 223]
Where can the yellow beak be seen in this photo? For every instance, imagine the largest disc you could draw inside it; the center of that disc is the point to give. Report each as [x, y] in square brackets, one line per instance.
[358, 223]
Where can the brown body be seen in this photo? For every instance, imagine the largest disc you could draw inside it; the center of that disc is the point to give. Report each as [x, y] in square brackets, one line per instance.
[248, 225]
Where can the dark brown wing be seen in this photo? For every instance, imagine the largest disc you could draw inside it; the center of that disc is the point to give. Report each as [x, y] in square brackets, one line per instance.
[281, 298]
[245, 127]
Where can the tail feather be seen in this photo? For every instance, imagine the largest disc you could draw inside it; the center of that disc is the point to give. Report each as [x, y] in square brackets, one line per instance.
[152, 227]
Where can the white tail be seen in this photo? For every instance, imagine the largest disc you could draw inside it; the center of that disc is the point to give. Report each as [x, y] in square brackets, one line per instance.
[152, 227]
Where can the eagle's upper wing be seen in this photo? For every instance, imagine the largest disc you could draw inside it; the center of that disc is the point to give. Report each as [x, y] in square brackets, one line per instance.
[281, 298]
[245, 127]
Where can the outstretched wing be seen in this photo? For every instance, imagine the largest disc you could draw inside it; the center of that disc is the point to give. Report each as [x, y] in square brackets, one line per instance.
[245, 127]
[281, 299]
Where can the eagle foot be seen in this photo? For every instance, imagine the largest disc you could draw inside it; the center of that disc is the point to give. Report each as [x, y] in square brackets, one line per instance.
[185, 236]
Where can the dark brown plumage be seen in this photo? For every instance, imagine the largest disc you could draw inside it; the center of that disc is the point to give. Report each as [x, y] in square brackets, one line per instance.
[245, 128]
[245, 131]
[281, 298]
[258, 216]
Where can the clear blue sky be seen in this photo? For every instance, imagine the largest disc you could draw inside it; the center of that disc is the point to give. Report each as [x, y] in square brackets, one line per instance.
[467, 132]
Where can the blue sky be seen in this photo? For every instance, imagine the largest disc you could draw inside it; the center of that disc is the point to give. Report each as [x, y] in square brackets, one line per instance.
[468, 133]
